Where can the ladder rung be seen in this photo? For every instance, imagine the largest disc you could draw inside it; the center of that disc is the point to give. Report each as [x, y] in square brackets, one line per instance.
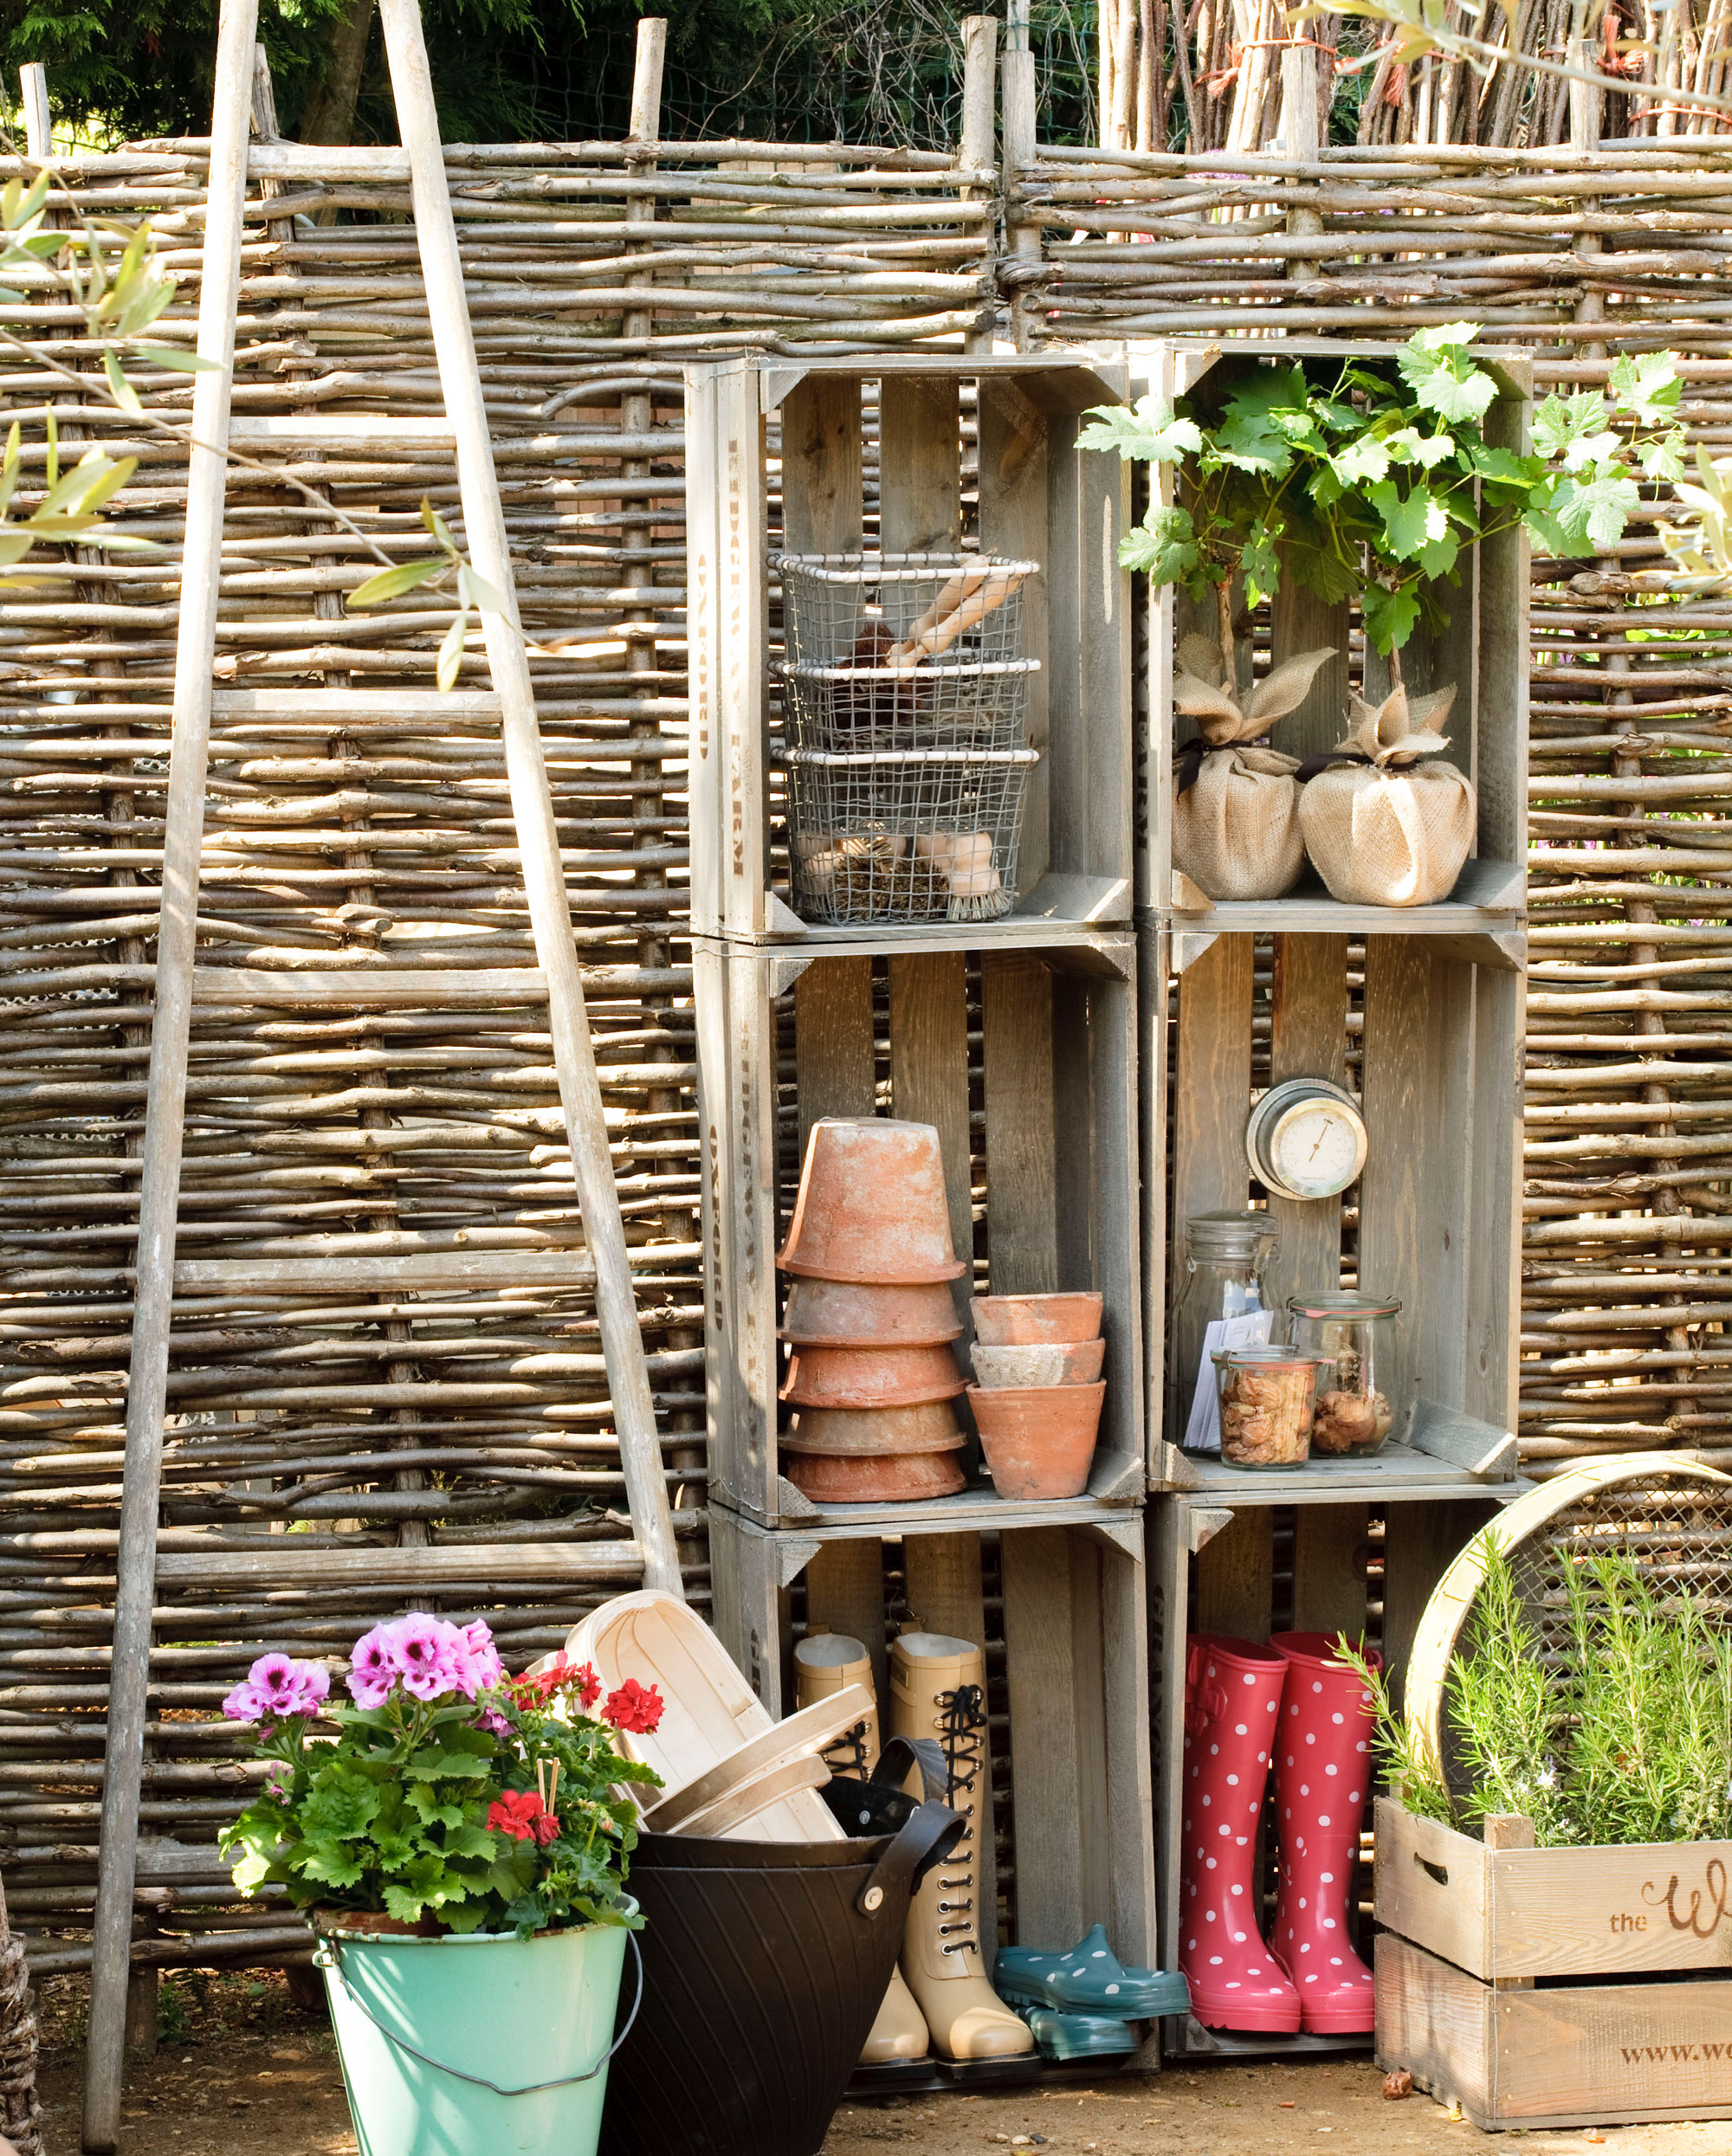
[359, 433]
[394, 1275]
[410, 1567]
[418, 704]
[486, 986]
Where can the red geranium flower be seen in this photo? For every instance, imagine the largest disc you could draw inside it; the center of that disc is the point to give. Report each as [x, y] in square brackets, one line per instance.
[519, 1813]
[536, 1686]
[589, 1686]
[633, 1707]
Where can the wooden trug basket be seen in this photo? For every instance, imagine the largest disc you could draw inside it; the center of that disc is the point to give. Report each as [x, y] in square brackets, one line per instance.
[1497, 1968]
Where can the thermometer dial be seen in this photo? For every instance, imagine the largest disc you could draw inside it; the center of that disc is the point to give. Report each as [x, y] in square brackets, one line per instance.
[1306, 1138]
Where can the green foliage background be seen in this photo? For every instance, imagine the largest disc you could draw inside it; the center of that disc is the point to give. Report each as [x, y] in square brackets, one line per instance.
[560, 70]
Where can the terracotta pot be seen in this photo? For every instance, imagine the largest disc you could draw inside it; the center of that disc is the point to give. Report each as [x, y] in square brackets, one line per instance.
[906, 1478]
[862, 1432]
[1026, 1321]
[1038, 1440]
[871, 1377]
[871, 1205]
[1053, 1362]
[849, 1313]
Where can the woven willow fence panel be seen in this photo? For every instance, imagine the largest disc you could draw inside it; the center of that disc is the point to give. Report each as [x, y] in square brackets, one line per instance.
[1628, 1215]
[473, 1413]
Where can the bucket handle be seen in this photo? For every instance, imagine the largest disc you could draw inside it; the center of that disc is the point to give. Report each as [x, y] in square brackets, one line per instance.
[931, 1830]
[329, 1956]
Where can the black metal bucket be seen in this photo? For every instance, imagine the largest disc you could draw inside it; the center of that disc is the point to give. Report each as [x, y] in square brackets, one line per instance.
[764, 1964]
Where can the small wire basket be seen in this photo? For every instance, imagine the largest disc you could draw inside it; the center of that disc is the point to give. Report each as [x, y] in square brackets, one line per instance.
[906, 835]
[904, 651]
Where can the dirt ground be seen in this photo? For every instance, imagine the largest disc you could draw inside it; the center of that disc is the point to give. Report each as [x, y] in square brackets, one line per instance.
[242, 2068]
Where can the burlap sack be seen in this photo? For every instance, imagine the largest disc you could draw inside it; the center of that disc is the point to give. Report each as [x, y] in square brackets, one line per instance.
[1236, 808]
[1384, 829]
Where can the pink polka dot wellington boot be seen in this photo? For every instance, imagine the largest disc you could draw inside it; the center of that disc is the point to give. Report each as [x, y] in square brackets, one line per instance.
[1232, 1695]
[1322, 1767]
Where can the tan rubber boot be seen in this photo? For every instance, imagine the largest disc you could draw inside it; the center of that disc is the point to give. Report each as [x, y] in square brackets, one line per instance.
[938, 1689]
[824, 1662]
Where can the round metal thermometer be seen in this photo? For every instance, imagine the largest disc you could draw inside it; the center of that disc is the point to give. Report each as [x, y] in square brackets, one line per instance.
[1306, 1138]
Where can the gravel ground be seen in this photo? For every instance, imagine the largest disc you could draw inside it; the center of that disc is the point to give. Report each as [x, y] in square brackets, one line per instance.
[245, 2070]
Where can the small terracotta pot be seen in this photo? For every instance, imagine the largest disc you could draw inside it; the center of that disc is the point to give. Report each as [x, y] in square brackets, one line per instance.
[1038, 1440]
[871, 1205]
[1026, 1321]
[906, 1478]
[1053, 1362]
[848, 1314]
[876, 1432]
[871, 1377]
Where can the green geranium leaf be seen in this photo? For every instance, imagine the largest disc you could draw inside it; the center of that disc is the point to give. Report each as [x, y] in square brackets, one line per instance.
[1150, 431]
[1390, 616]
[433, 1766]
[344, 1804]
[1409, 522]
[403, 1903]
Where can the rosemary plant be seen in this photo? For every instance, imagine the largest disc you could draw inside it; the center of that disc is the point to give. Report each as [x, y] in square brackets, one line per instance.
[1622, 1733]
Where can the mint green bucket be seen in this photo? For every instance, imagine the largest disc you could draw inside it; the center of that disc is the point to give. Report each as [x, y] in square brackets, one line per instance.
[479, 2046]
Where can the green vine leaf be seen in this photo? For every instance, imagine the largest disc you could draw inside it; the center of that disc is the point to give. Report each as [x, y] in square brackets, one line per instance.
[1441, 377]
[1390, 616]
[1164, 545]
[1149, 431]
[1409, 522]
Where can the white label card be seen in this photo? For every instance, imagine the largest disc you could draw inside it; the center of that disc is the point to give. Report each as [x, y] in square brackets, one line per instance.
[1253, 1329]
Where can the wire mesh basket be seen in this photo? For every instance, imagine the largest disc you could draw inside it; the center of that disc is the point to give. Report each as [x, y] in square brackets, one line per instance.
[906, 835]
[904, 651]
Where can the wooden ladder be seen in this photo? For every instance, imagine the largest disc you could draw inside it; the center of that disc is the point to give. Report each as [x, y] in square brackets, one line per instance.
[180, 983]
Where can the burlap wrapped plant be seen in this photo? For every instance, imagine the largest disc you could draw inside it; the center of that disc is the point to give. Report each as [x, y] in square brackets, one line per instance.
[1382, 827]
[1235, 807]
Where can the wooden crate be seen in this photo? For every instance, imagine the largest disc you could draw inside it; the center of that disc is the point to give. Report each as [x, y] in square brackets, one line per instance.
[1483, 651]
[1213, 1568]
[1029, 494]
[1076, 1677]
[1439, 1072]
[1473, 1991]
[1055, 1070]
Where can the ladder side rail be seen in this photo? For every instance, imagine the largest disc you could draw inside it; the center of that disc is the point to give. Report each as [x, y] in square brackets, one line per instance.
[531, 798]
[166, 1095]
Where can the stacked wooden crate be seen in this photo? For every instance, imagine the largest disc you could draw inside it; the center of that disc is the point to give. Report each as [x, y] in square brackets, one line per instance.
[1420, 1009]
[1016, 1038]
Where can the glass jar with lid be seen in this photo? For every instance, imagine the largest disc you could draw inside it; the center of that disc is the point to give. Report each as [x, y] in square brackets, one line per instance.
[1220, 1283]
[1364, 1395]
[1266, 1396]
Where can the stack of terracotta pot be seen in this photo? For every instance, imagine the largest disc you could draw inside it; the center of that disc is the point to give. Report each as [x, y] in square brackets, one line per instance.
[872, 1379]
[1037, 1404]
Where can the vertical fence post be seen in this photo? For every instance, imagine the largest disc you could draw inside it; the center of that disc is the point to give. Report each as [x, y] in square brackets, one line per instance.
[166, 1095]
[1301, 143]
[976, 145]
[1586, 100]
[1016, 73]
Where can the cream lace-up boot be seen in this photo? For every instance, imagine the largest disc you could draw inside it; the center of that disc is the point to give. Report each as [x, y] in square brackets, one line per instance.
[824, 1662]
[938, 1689]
